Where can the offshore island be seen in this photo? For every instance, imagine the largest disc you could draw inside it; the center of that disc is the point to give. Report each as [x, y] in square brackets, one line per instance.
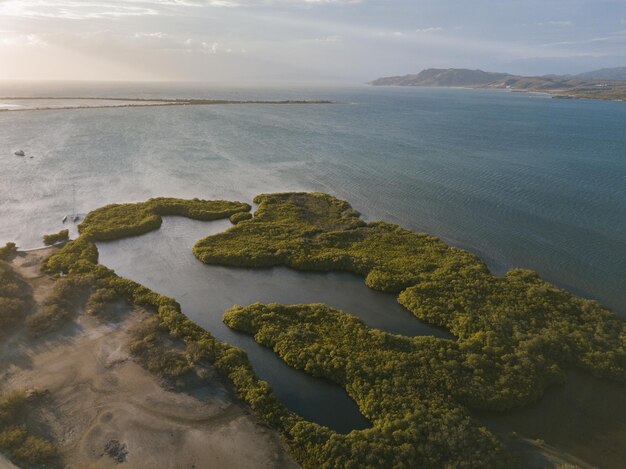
[512, 338]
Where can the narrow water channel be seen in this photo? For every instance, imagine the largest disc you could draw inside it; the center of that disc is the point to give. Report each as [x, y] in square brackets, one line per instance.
[163, 261]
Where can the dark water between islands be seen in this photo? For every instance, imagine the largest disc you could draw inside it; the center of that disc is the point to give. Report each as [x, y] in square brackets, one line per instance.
[163, 261]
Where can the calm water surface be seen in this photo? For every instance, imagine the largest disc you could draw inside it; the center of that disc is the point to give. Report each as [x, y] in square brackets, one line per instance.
[521, 180]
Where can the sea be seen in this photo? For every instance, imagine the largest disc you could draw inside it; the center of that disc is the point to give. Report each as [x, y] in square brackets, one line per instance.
[520, 179]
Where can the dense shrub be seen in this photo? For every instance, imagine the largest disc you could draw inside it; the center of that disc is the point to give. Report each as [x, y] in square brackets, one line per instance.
[149, 346]
[15, 437]
[55, 238]
[67, 297]
[240, 216]
[123, 220]
[8, 251]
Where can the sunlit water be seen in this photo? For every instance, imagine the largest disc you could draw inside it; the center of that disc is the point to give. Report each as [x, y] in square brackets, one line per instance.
[520, 179]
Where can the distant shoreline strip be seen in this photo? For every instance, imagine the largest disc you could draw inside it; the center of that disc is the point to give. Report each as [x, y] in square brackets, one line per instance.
[144, 102]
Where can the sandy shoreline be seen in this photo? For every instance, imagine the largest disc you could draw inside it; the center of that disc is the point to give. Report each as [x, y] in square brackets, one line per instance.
[96, 394]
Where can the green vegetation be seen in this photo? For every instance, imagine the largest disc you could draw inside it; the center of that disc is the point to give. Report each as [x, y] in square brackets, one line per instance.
[68, 294]
[15, 298]
[402, 385]
[515, 335]
[55, 238]
[8, 252]
[15, 438]
[120, 221]
[151, 347]
[240, 216]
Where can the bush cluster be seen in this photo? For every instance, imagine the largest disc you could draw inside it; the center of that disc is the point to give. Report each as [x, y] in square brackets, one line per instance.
[67, 297]
[15, 437]
[8, 251]
[123, 220]
[55, 238]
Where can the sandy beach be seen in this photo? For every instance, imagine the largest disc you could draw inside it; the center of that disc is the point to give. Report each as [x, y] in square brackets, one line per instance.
[101, 408]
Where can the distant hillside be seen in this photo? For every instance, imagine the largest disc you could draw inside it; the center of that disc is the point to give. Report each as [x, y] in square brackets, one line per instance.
[442, 77]
[616, 73]
[561, 86]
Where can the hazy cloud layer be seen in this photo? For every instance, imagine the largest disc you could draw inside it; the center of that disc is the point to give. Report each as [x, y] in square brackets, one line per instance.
[337, 40]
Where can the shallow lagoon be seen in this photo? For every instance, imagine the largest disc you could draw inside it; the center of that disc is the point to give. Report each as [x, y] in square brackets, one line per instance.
[162, 261]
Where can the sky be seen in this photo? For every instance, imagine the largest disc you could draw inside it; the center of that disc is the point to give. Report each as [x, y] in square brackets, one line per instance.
[303, 40]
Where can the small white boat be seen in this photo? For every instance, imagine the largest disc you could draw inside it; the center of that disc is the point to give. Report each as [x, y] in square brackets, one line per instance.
[20, 153]
[64, 218]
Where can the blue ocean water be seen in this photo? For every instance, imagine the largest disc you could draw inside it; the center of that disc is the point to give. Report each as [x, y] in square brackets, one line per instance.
[520, 179]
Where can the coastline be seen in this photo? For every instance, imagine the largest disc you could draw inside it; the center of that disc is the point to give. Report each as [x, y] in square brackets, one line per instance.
[556, 94]
[138, 102]
[88, 382]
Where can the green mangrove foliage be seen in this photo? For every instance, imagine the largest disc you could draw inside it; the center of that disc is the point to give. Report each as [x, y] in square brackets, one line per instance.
[514, 335]
[15, 437]
[124, 220]
[55, 238]
[319, 232]
[402, 385]
[15, 298]
[240, 216]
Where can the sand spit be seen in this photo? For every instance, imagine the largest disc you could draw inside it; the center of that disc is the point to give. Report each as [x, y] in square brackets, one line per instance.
[20, 104]
[102, 409]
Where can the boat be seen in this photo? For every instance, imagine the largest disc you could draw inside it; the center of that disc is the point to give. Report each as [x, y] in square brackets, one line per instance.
[20, 153]
[64, 218]
[74, 215]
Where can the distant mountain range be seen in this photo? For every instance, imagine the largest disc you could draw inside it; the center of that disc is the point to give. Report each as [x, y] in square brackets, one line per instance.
[617, 73]
[599, 84]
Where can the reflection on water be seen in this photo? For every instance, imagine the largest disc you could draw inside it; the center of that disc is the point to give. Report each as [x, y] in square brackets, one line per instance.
[163, 261]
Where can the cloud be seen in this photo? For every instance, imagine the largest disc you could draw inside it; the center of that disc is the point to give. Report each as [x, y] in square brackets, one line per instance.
[167, 42]
[562, 23]
[89, 9]
[429, 30]
[10, 38]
